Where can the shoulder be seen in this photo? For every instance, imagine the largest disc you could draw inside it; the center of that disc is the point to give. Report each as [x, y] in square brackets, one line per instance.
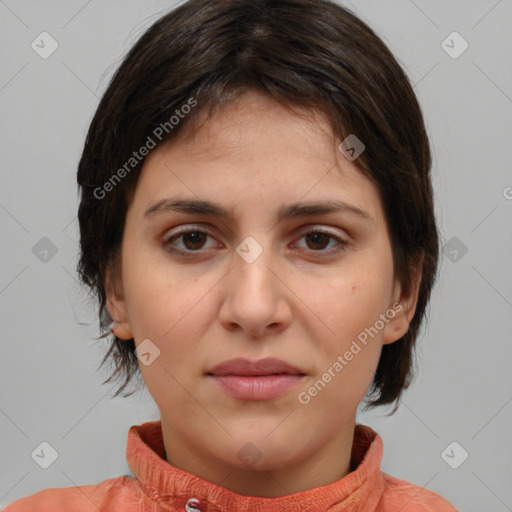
[84, 498]
[411, 498]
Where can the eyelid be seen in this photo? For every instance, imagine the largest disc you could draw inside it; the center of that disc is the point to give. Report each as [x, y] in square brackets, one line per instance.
[189, 228]
[343, 242]
[309, 229]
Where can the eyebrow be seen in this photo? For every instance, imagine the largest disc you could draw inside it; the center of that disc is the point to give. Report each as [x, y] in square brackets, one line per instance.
[293, 210]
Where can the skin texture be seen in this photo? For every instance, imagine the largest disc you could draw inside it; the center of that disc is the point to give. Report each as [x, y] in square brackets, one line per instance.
[299, 301]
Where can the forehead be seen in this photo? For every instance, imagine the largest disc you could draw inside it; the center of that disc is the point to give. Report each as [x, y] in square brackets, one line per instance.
[249, 124]
[255, 147]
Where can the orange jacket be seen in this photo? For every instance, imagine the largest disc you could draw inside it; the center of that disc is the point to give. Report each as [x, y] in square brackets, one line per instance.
[159, 487]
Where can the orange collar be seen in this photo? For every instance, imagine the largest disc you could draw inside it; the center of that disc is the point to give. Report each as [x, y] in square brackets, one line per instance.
[358, 491]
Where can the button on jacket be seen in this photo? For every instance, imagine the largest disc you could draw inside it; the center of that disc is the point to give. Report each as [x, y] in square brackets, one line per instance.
[158, 487]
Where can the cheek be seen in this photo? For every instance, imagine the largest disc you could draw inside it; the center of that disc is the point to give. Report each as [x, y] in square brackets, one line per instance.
[346, 305]
[349, 386]
[158, 296]
[174, 314]
[349, 358]
[350, 306]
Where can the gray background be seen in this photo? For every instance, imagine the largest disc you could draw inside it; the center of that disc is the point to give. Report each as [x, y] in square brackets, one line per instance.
[50, 390]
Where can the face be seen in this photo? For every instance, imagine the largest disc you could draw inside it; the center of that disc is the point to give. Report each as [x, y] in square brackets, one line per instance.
[265, 280]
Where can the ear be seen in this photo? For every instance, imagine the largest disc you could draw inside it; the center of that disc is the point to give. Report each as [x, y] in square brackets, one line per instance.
[116, 306]
[403, 305]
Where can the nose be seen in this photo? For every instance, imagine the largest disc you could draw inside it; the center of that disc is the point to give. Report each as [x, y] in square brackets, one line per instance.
[256, 298]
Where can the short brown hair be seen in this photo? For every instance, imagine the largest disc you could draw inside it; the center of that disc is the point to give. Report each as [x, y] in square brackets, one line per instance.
[303, 53]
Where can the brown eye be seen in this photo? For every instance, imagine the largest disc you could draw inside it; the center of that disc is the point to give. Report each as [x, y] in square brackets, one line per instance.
[318, 240]
[194, 240]
[187, 241]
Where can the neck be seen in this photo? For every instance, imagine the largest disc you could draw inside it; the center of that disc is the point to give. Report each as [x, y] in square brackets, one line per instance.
[325, 465]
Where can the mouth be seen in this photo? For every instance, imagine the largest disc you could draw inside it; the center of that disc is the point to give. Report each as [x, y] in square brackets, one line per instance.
[265, 379]
[262, 367]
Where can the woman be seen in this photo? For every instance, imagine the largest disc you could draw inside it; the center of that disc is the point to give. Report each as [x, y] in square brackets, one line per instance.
[257, 221]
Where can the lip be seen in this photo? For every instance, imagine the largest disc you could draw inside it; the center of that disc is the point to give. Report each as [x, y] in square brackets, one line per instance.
[245, 367]
[264, 379]
[257, 388]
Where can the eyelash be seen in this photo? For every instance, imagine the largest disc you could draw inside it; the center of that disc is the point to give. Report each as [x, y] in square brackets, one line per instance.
[189, 253]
